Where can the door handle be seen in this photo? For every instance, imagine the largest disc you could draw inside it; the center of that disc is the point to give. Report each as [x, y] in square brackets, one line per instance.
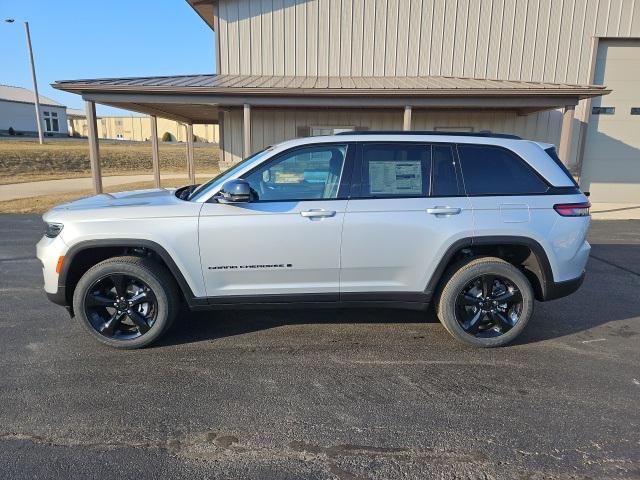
[444, 210]
[317, 213]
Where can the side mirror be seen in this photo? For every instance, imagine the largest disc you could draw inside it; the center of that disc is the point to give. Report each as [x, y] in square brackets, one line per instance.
[235, 191]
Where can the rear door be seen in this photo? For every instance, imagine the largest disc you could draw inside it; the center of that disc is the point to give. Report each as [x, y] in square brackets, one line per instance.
[407, 206]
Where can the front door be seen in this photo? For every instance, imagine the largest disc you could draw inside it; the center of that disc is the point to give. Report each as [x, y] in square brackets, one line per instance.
[409, 205]
[285, 243]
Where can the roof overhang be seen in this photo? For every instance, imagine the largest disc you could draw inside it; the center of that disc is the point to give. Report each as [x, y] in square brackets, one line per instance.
[204, 8]
[198, 98]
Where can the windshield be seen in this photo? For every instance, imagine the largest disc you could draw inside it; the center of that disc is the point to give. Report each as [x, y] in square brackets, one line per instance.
[223, 176]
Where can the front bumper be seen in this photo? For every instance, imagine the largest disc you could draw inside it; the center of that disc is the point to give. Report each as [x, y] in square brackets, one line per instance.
[48, 251]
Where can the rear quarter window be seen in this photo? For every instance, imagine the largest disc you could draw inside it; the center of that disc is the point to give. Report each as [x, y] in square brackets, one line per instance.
[551, 151]
[489, 170]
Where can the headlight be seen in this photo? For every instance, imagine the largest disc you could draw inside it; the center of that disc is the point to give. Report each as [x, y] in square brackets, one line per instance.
[53, 229]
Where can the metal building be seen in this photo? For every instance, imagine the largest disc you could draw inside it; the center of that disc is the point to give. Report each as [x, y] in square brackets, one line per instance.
[535, 68]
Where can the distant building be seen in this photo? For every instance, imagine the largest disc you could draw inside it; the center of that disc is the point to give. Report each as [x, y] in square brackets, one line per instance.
[17, 113]
[137, 128]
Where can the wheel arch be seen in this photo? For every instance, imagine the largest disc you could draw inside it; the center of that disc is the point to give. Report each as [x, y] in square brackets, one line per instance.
[531, 256]
[83, 255]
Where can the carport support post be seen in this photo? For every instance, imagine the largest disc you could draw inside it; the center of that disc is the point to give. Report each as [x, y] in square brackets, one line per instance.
[246, 130]
[407, 118]
[155, 152]
[94, 152]
[567, 134]
[191, 166]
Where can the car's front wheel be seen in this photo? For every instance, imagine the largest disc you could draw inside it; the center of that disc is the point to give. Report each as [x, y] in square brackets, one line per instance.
[486, 302]
[126, 302]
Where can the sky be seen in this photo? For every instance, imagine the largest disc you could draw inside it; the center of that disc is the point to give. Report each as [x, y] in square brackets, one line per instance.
[75, 39]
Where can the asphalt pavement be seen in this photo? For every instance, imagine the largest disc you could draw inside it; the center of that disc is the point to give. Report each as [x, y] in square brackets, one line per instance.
[316, 394]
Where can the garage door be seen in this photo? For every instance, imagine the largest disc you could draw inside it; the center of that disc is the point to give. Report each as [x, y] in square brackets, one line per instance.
[611, 165]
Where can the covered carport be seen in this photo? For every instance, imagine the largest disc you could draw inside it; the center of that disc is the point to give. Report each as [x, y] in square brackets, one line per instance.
[229, 100]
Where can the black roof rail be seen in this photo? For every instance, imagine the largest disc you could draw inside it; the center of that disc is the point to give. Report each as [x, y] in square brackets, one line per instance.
[431, 132]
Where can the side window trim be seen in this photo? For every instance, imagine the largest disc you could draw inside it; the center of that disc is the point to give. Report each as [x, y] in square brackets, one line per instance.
[522, 161]
[345, 179]
[457, 170]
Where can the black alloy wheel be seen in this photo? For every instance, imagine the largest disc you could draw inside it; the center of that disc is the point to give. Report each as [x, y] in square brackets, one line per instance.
[488, 306]
[121, 306]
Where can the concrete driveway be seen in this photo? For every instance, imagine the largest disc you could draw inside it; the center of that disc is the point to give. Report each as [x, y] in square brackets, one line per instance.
[324, 393]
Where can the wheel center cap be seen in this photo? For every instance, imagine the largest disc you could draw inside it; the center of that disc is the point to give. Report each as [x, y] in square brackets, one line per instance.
[122, 305]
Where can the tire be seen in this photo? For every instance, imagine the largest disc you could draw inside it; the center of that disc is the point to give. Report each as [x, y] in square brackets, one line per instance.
[145, 311]
[463, 299]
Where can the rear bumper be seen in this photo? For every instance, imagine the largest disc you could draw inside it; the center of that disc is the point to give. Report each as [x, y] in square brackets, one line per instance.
[555, 290]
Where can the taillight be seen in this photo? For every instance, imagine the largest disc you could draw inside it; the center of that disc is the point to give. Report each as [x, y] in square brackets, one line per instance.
[573, 209]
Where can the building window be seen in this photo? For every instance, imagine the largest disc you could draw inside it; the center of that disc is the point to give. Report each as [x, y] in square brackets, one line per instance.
[326, 130]
[453, 129]
[603, 110]
[635, 110]
[51, 122]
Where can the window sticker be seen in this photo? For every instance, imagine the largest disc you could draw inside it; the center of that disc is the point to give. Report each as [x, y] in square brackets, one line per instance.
[395, 178]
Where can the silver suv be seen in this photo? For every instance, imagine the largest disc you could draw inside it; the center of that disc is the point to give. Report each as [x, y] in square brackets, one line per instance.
[480, 225]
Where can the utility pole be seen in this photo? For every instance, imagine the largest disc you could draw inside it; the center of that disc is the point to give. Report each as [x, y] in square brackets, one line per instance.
[35, 84]
[36, 100]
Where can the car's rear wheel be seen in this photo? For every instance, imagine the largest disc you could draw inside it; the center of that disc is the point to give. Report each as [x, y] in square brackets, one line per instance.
[486, 302]
[126, 302]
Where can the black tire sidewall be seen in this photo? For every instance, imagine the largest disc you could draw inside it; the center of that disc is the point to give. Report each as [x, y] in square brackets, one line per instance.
[461, 277]
[138, 270]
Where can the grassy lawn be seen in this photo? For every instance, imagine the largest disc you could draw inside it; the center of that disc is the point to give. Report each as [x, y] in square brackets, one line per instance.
[28, 161]
[42, 204]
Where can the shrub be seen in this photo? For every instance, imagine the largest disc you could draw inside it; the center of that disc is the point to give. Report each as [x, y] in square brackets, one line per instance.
[167, 137]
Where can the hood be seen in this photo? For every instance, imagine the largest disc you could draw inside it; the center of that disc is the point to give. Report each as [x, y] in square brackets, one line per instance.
[135, 198]
[156, 203]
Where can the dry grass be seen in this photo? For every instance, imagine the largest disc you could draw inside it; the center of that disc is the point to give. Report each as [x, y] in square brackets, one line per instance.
[42, 204]
[26, 160]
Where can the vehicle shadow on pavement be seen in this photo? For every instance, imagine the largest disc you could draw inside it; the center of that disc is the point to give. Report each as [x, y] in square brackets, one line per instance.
[194, 327]
[609, 294]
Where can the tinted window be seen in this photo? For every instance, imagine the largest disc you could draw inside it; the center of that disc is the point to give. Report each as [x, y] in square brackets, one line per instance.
[304, 174]
[444, 181]
[395, 170]
[495, 171]
[603, 110]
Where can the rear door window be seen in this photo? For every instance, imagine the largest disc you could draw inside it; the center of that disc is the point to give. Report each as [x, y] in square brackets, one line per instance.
[395, 170]
[489, 170]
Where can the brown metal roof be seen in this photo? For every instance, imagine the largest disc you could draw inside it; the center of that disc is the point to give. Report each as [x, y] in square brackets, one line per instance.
[329, 86]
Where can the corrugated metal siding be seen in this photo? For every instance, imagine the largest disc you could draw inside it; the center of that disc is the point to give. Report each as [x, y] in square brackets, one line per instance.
[538, 40]
[532, 40]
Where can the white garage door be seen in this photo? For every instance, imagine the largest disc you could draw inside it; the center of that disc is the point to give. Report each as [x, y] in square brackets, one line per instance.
[611, 166]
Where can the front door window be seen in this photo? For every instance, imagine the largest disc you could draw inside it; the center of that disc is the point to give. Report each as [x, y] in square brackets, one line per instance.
[311, 173]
